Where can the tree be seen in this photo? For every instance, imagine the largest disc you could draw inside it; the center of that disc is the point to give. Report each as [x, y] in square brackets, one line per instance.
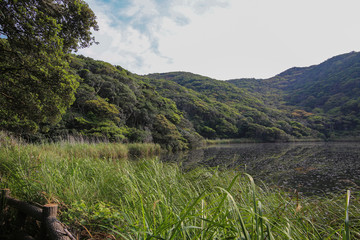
[36, 39]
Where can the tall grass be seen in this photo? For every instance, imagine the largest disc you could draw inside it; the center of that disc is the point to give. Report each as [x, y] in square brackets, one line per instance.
[231, 141]
[103, 194]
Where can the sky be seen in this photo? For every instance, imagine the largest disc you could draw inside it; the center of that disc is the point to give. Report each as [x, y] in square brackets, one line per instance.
[223, 39]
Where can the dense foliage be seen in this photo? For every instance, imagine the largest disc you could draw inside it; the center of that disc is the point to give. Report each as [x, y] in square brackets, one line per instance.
[99, 190]
[113, 104]
[37, 84]
[40, 80]
[219, 109]
[179, 109]
[325, 96]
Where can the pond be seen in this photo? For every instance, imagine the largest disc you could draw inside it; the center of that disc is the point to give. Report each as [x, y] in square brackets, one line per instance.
[310, 168]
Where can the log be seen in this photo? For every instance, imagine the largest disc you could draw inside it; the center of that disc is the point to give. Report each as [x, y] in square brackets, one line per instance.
[27, 208]
[46, 214]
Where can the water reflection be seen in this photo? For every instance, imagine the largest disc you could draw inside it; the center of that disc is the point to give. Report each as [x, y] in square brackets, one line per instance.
[310, 168]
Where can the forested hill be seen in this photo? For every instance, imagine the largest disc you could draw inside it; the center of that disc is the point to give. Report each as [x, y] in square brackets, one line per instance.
[112, 103]
[330, 90]
[47, 93]
[219, 109]
[178, 110]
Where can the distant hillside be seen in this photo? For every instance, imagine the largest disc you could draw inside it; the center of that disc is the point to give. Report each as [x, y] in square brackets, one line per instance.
[111, 103]
[330, 90]
[179, 109]
[222, 110]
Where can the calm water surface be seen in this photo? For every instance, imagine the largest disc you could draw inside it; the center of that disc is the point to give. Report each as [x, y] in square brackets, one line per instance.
[310, 168]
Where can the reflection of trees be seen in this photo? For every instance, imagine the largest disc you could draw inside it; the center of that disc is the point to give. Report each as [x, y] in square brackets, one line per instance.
[305, 166]
[187, 159]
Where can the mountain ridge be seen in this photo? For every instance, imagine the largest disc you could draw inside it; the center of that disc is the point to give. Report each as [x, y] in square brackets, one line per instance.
[331, 89]
[180, 109]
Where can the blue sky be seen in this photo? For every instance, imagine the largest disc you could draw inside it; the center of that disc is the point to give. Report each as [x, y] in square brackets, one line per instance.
[223, 39]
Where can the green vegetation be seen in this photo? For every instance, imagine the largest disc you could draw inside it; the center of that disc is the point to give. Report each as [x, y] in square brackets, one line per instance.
[230, 141]
[37, 84]
[325, 97]
[113, 104]
[104, 195]
[219, 109]
[48, 94]
[41, 79]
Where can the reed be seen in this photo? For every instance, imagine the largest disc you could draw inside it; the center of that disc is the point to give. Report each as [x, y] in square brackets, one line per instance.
[230, 141]
[102, 194]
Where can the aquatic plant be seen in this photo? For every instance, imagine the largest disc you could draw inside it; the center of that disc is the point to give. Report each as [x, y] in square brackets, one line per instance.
[102, 194]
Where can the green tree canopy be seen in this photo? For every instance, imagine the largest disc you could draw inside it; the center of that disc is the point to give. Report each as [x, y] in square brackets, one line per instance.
[36, 37]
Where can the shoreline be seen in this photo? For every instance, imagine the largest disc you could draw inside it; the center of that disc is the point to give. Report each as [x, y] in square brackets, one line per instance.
[248, 140]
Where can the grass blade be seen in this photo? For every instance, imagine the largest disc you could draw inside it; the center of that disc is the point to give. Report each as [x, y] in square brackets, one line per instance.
[347, 227]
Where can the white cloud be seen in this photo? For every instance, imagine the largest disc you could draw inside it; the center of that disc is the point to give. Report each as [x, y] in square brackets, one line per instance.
[224, 39]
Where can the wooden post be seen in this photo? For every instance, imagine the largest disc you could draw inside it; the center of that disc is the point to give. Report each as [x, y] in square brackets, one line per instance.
[20, 218]
[4, 193]
[49, 210]
[53, 227]
[47, 215]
